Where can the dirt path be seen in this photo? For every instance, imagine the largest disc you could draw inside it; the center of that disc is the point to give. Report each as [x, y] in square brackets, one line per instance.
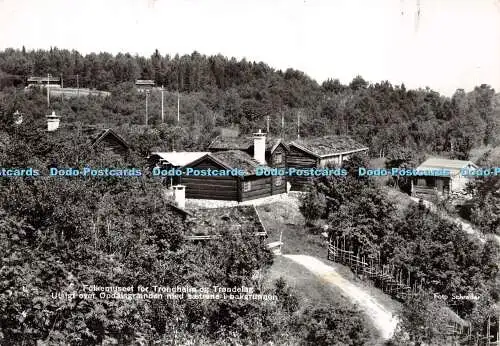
[383, 319]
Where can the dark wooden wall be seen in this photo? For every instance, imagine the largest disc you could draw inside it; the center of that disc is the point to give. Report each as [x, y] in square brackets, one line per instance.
[261, 187]
[112, 144]
[297, 158]
[422, 190]
[221, 188]
[271, 159]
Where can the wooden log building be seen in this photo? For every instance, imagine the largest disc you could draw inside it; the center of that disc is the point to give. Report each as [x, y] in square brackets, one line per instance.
[267, 150]
[319, 152]
[431, 187]
[231, 187]
[53, 82]
[143, 85]
[107, 139]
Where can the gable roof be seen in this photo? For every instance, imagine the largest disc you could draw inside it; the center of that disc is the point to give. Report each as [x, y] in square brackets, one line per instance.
[243, 143]
[328, 145]
[454, 166]
[237, 159]
[238, 220]
[231, 159]
[105, 133]
[180, 158]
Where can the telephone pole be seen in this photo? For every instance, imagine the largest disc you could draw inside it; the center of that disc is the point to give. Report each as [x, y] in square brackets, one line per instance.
[162, 109]
[147, 95]
[178, 107]
[298, 125]
[282, 124]
[62, 86]
[268, 119]
[48, 92]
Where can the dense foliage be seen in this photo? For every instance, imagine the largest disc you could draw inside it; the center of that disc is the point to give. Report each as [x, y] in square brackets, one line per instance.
[217, 91]
[443, 260]
[484, 207]
[58, 234]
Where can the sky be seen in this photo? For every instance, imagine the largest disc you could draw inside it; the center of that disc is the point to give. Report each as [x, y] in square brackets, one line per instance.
[442, 44]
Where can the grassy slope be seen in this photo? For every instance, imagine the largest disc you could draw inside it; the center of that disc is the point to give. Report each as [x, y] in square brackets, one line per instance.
[284, 218]
[312, 290]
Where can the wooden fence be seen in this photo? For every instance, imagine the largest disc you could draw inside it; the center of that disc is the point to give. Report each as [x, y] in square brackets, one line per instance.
[396, 282]
[393, 281]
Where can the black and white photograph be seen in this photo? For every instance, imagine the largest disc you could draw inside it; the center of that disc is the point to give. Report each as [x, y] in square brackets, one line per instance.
[261, 173]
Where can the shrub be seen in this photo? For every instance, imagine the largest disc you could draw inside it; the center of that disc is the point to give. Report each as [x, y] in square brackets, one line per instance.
[313, 206]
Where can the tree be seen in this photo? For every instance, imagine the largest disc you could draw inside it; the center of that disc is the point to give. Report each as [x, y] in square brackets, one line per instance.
[401, 158]
[485, 203]
[331, 325]
[423, 321]
[358, 83]
[313, 206]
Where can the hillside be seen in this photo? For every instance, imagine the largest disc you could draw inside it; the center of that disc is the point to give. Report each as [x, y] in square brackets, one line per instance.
[62, 235]
[216, 91]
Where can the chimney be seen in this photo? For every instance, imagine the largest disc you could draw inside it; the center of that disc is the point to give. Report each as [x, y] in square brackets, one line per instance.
[18, 118]
[180, 196]
[52, 121]
[259, 147]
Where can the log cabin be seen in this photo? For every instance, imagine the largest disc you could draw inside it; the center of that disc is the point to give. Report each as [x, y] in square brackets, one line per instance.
[93, 136]
[173, 159]
[107, 139]
[143, 85]
[449, 181]
[53, 82]
[268, 150]
[247, 186]
[319, 152]
[88, 140]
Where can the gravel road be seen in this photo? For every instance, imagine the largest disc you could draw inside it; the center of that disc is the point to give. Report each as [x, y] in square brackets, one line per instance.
[383, 319]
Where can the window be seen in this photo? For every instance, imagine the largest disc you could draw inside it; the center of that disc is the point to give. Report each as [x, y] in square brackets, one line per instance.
[430, 181]
[278, 158]
[247, 186]
[278, 181]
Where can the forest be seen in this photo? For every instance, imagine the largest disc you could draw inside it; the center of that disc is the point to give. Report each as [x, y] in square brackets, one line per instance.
[63, 233]
[216, 91]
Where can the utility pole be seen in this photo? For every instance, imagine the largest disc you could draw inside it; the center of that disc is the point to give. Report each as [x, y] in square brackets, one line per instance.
[48, 93]
[77, 87]
[162, 109]
[62, 86]
[298, 125]
[268, 119]
[147, 94]
[178, 100]
[282, 123]
[178, 107]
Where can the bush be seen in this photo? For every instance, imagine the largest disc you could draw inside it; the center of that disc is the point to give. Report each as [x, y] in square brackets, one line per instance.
[313, 206]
